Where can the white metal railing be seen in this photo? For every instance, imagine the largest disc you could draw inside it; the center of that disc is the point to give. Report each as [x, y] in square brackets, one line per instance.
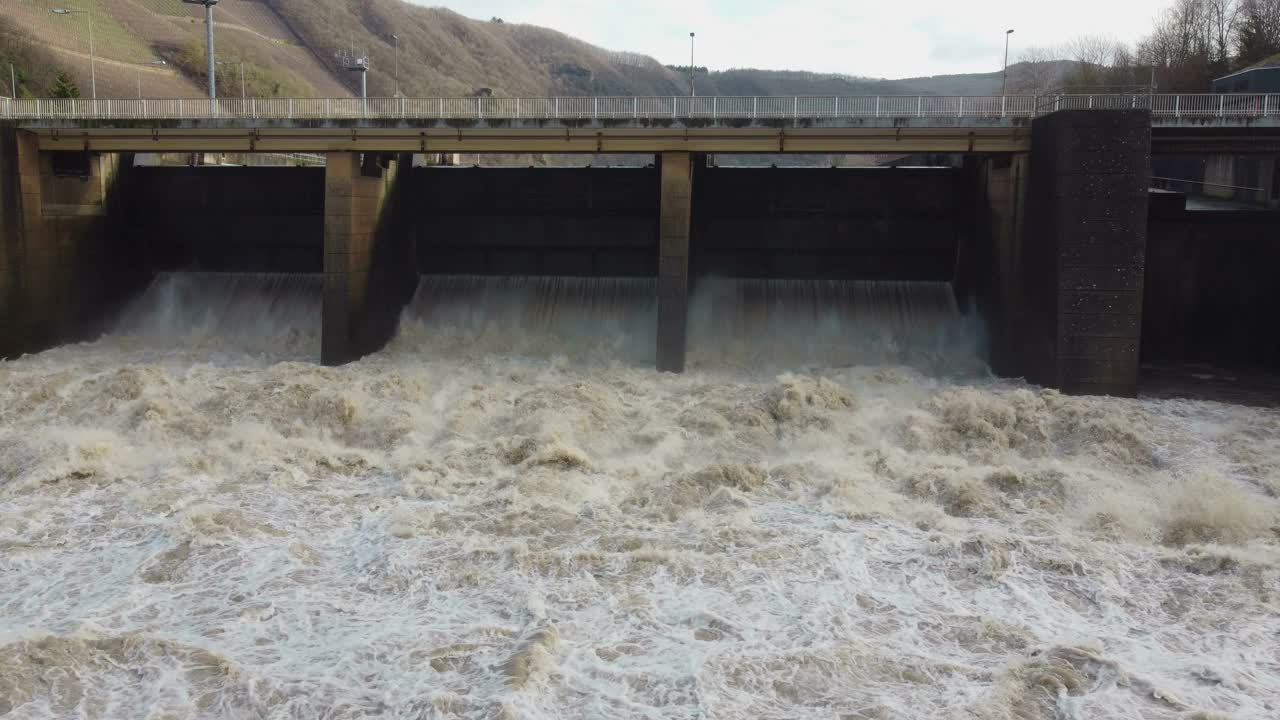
[623, 108]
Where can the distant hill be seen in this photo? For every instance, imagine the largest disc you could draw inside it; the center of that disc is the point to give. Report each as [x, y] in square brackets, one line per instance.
[288, 47]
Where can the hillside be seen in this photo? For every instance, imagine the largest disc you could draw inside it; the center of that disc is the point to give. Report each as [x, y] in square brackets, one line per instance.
[289, 47]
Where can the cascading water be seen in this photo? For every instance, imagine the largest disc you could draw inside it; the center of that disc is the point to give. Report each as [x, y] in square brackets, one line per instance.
[274, 316]
[509, 514]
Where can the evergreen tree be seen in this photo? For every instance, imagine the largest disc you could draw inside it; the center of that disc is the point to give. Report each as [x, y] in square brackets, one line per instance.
[64, 87]
[1254, 40]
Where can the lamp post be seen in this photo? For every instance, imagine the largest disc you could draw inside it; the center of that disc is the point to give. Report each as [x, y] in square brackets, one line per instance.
[1004, 77]
[397, 39]
[151, 62]
[93, 63]
[241, 64]
[208, 23]
[692, 92]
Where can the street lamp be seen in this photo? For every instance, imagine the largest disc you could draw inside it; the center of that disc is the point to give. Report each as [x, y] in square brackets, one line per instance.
[93, 64]
[397, 39]
[208, 24]
[241, 64]
[1004, 78]
[150, 62]
[692, 91]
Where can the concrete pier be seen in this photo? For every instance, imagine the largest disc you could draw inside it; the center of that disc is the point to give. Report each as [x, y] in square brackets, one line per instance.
[369, 265]
[67, 257]
[675, 220]
[1090, 175]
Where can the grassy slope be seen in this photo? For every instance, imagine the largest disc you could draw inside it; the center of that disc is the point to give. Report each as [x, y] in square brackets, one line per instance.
[289, 48]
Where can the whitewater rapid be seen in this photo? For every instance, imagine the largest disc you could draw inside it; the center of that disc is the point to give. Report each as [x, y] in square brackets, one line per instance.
[197, 521]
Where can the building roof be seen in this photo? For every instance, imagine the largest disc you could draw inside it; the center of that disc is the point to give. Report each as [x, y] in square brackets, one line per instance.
[1271, 63]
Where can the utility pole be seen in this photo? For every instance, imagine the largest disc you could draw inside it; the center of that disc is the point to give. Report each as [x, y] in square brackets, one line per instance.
[692, 91]
[397, 39]
[1004, 79]
[151, 62]
[208, 23]
[93, 62]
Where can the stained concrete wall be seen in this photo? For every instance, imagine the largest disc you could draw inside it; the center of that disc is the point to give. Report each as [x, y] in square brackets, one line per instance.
[1085, 248]
[1211, 295]
[369, 253]
[68, 259]
[835, 223]
[231, 219]
[537, 221]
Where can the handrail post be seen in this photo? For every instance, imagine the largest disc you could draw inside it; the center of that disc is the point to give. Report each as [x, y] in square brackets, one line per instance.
[1004, 105]
[919, 106]
[837, 106]
[635, 107]
[795, 110]
[595, 108]
[1222, 105]
[517, 108]
[441, 99]
[755, 106]
[877, 106]
[402, 113]
[290, 108]
[960, 110]
[1177, 106]
[1090, 102]
[674, 113]
[328, 108]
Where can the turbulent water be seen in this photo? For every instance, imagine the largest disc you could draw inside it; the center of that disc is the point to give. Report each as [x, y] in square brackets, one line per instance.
[507, 515]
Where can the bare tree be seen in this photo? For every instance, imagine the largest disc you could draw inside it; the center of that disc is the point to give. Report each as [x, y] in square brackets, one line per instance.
[1036, 71]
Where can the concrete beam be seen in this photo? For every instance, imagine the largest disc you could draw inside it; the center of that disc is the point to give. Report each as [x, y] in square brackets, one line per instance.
[784, 138]
[676, 212]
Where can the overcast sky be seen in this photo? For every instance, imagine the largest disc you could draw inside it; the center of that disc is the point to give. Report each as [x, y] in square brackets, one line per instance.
[876, 38]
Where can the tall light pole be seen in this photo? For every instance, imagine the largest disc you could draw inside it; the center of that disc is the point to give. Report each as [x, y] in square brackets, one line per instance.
[151, 62]
[1004, 78]
[692, 91]
[241, 64]
[397, 39]
[93, 63]
[208, 26]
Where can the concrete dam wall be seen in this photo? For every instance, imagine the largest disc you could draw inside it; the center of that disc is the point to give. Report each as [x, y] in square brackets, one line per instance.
[1049, 248]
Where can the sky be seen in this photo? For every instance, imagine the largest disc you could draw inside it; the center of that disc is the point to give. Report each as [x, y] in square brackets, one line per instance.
[873, 38]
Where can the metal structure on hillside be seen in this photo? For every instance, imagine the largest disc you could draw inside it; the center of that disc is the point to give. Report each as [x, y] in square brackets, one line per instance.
[352, 61]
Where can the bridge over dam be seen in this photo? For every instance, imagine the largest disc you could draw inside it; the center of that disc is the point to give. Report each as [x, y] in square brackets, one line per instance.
[1048, 232]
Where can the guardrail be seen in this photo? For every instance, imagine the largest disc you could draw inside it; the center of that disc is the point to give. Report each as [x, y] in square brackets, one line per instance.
[622, 108]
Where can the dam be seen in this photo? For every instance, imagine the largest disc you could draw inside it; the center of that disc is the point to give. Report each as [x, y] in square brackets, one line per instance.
[1043, 232]
[380, 439]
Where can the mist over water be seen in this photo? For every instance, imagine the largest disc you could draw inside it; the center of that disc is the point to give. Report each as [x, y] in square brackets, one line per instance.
[508, 514]
[275, 316]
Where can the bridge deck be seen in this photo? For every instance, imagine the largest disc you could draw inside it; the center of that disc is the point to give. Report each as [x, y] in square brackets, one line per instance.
[1182, 123]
